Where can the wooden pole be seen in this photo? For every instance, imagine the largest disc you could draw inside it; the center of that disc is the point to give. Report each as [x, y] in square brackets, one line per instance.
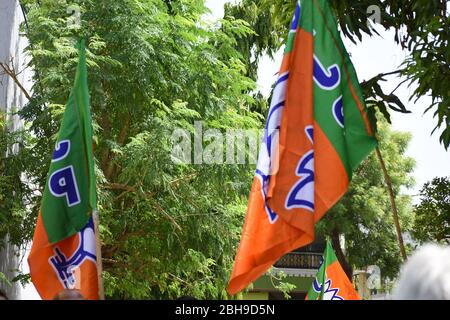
[387, 180]
[98, 249]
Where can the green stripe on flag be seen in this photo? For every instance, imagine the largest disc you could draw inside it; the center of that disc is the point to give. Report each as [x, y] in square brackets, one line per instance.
[70, 194]
[353, 141]
[329, 257]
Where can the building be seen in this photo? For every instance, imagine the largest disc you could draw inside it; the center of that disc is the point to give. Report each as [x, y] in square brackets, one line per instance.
[12, 98]
[300, 267]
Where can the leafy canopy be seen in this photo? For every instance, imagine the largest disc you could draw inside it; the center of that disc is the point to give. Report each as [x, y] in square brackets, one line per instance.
[432, 215]
[167, 229]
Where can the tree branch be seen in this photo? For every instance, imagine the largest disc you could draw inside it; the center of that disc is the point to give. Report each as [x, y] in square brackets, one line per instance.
[340, 254]
[10, 72]
[111, 170]
[398, 86]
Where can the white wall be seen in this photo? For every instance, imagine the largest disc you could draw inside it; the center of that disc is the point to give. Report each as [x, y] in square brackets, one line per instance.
[12, 98]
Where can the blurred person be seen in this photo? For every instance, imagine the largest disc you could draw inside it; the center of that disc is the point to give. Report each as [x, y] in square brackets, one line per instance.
[3, 295]
[426, 275]
[69, 294]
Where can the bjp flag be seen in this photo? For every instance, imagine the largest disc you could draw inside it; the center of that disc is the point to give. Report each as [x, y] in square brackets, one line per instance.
[331, 282]
[63, 254]
[317, 133]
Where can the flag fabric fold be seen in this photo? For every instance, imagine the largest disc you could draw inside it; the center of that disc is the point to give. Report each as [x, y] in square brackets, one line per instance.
[317, 132]
[63, 254]
[331, 282]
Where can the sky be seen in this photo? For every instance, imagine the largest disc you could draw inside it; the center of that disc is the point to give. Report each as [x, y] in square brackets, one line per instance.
[372, 56]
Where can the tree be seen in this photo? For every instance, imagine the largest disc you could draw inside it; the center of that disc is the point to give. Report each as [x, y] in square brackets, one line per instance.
[15, 196]
[167, 229]
[432, 215]
[422, 27]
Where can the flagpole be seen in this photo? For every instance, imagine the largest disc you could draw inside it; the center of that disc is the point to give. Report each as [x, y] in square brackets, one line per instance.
[98, 249]
[93, 201]
[388, 182]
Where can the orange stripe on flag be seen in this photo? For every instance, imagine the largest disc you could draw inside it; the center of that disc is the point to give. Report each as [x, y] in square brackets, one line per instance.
[341, 281]
[331, 179]
[285, 63]
[294, 143]
[45, 276]
[261, 242]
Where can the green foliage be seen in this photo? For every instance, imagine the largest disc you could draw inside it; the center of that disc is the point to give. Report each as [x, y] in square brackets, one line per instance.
[364, 215]
[432, 215]
[4, 279]
[170, 229]
[15, 156]
[279, 284]
[428, 65]
[167, 229]
[421, 26]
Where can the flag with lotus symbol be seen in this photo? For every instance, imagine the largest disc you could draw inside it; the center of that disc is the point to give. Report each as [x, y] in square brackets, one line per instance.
[331, 282]
[317, 133]
[63, 254]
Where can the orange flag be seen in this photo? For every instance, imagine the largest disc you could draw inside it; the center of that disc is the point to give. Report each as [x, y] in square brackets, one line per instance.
[68, 264]
[317, 133]
[64, 251]
[331, 282]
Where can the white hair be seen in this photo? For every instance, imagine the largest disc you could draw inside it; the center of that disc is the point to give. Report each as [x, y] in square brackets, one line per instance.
[426, 275]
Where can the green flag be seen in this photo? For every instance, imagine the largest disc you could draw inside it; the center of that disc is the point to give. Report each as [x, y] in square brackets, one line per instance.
[331, 282]
[70, 195]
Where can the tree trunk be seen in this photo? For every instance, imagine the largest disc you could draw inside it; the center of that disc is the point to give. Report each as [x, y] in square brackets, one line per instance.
[340, 254]
[111, 170]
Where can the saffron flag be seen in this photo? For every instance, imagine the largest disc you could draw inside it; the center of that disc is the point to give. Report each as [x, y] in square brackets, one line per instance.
[63, 254]
[331, 282]
[317, 133]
